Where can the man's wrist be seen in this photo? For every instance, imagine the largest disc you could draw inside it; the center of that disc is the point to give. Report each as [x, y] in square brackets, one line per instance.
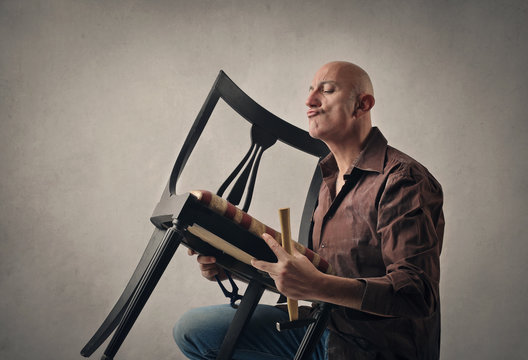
[340, 291]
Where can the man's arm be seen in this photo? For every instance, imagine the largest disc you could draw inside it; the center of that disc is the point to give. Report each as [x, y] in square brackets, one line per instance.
[410, 225]
[297, 278]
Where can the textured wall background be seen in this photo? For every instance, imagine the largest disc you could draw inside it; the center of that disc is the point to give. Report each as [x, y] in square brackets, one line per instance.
[97, 96]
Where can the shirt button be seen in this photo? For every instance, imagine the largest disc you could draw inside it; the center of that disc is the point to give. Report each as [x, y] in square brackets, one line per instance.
[323, 245]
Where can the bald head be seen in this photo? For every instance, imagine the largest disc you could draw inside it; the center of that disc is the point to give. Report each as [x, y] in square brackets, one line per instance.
[351, 75]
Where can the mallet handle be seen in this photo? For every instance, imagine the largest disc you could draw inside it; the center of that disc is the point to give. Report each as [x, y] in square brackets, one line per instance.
[284, 215]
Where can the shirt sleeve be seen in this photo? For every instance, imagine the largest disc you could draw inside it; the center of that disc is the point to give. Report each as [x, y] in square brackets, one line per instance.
[410, 225]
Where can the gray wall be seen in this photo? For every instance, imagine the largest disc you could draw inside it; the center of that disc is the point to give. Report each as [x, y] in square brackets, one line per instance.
[97, 96]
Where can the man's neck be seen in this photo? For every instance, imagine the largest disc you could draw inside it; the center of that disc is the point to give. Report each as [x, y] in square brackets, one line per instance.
[346, 154]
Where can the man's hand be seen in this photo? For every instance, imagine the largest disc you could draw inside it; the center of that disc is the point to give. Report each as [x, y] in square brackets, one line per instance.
[208, 266]
[295, 276]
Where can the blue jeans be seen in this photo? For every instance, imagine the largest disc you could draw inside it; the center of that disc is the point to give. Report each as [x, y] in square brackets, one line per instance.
[199, 334]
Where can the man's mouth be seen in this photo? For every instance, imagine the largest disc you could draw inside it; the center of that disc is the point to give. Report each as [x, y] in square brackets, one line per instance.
[312, 113]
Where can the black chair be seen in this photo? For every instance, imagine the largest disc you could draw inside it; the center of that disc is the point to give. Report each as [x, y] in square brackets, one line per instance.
[175, 214]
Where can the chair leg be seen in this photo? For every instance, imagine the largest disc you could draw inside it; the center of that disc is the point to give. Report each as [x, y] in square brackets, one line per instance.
[246, 308]
[155, 269]
[313, 333]
[115, 315]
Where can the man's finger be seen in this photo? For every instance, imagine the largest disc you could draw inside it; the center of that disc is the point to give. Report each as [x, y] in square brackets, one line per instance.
[275, 247]
[263, 265]
[202, 259]
[210, 273]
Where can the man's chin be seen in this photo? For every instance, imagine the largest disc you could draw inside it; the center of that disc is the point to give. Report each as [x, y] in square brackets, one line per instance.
[315, 135]
[313, 128]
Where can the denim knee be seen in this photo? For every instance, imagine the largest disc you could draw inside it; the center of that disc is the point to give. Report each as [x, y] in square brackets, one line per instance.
[199, 332]
[185, 330]
[178, 332]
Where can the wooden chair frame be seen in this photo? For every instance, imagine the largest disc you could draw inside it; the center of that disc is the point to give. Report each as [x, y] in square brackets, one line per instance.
[174, 213]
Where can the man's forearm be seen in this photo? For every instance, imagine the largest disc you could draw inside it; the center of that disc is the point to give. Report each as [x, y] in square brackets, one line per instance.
[340, 291]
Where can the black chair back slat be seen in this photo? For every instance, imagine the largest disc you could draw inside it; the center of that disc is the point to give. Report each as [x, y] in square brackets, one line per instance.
[252, 180]
[235, 172]
[237, 191]
[262, 140]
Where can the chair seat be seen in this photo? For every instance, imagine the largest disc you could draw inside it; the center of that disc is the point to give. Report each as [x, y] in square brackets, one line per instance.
[249, 223]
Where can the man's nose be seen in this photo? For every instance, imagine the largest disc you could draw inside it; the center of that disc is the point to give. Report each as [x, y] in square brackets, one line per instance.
[313, 99]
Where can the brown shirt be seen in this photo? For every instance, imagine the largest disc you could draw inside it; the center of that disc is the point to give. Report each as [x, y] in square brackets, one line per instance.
[386, 231]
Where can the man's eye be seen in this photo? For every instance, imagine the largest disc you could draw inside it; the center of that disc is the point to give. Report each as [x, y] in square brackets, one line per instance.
[327, 91]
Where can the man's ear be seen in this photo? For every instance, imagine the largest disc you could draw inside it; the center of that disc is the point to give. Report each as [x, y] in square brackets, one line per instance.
[366, 102]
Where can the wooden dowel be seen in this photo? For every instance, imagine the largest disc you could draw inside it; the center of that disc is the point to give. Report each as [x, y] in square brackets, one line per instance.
[284, 216]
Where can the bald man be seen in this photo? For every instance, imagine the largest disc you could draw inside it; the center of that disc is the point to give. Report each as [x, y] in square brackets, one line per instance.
[378, 221]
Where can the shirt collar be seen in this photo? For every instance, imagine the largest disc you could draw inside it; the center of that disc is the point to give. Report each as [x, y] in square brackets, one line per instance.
[371, 158]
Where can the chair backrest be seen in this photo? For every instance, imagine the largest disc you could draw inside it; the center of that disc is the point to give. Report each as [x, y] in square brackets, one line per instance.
[266, 129]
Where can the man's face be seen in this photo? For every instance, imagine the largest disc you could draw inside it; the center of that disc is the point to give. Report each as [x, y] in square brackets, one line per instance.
[331, 104]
